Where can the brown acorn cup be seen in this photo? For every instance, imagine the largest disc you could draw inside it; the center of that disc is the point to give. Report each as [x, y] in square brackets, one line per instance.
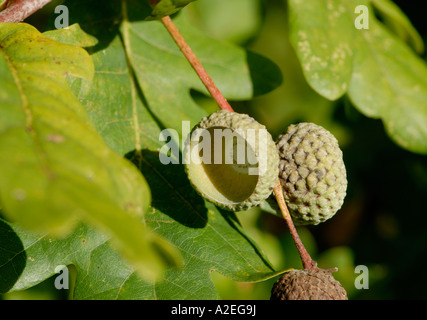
[308, 285]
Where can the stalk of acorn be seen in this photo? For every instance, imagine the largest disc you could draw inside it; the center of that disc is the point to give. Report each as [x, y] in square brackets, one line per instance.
[307, 261]
[311, 283]
[15, 13]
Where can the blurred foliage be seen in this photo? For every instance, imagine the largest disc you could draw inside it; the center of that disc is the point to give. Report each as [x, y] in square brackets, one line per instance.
[383, 220]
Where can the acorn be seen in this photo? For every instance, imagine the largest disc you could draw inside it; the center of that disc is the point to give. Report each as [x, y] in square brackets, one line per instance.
[308, 285]
[312, 173]
[231, 160]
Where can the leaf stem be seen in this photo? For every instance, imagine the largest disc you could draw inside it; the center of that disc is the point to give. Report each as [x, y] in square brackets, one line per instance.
[21, 9]
[307, 261]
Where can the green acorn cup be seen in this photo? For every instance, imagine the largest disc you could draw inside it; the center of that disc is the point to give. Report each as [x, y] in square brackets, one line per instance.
[231, 160]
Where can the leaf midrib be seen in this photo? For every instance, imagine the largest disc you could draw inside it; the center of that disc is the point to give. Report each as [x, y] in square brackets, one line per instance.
[132, 79]
[29, 120]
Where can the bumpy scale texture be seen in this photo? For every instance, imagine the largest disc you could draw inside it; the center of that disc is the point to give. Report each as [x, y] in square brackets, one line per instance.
[312, 173]
[241, 123]
[308, 285]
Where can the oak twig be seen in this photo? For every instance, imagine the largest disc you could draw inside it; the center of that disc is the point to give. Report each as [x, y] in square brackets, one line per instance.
[195, 63]
[193, 60]
[307, 261]
[19, 10]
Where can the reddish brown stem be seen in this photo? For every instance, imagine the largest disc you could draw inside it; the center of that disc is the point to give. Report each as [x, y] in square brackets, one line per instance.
[195, 63]
[307, 261]
[21, 9]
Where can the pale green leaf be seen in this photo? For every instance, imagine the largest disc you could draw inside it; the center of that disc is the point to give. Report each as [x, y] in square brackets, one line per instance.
[122, 112]
[387, 79]
[56, 170]
[325, 53]
[389, 82]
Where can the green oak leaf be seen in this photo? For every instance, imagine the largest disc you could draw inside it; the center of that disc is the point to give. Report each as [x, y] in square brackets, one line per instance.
[218, 18]
[121, 110]
[398, 22]
[73, 35]
[56, 169]
[325, 53]
[208, 239]
[381, 75]
[164, 79]
[165, 76]
[12, 257]
[388, 82]
[113, 99]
